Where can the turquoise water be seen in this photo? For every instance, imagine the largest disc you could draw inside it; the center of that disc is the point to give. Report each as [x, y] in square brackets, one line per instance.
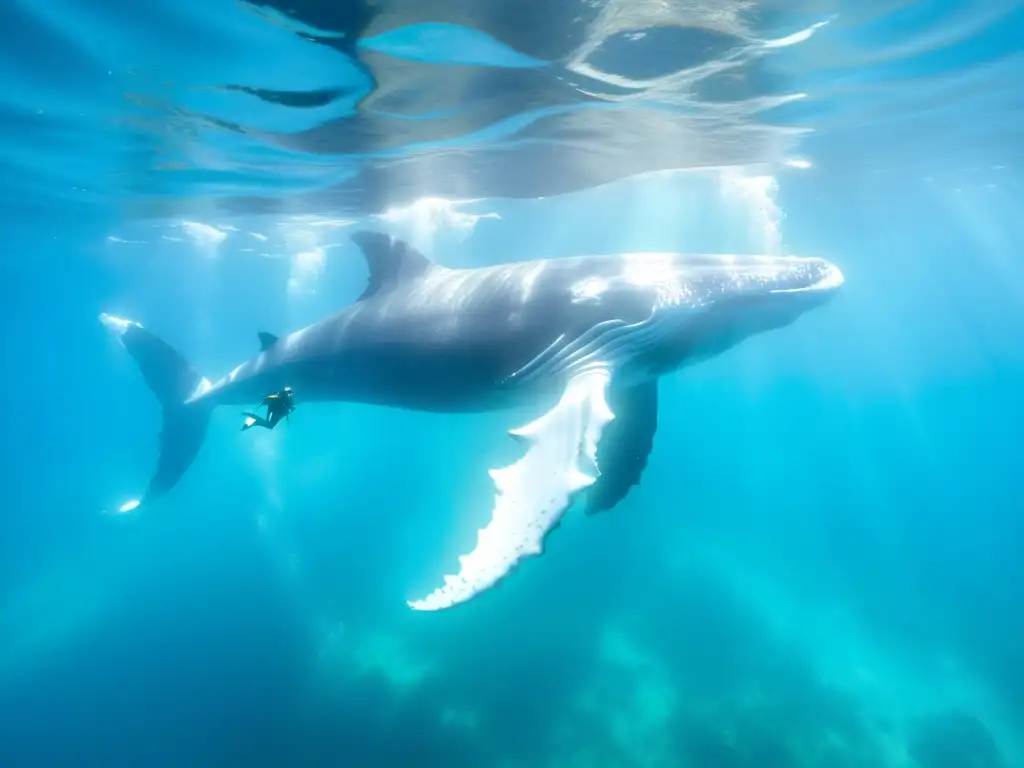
[820, 567]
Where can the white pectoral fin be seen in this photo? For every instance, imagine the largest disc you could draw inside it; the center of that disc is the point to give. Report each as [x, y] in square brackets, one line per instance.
[534, 493]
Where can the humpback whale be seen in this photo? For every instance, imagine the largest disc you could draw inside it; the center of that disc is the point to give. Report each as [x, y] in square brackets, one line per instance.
[584, 338]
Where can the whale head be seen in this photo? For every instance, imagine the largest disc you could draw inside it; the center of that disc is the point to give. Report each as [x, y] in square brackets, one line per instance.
[703, 305]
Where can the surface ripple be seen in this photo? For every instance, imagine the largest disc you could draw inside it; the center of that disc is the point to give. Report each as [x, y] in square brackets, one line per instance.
[165, 108]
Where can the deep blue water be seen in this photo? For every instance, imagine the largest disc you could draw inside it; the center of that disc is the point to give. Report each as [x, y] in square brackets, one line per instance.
[820, 567]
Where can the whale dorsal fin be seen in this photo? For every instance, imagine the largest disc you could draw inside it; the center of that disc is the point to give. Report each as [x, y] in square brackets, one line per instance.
[391, 261]
[267, 340]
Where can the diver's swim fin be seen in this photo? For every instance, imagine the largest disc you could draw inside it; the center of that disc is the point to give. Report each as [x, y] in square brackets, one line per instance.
[173, 380]
[252, 420]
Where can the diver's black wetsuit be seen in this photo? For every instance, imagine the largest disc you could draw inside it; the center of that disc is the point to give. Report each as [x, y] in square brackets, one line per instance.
[279, 405]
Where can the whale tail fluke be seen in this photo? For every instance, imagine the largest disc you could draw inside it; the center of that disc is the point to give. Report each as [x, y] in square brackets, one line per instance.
[173, 380]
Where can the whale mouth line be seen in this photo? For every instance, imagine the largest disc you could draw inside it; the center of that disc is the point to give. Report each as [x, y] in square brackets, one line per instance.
[830, 281]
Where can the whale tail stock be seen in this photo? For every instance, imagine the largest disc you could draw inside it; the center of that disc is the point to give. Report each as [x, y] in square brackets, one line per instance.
[173, 380]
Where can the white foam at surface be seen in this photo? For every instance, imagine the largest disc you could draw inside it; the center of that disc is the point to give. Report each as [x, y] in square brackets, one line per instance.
[206, 237]
[420, 221]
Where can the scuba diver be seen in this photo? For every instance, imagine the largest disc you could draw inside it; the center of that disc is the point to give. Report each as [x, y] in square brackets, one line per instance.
[279, 406]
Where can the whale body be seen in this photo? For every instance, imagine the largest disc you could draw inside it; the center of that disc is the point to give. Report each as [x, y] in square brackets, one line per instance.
[585, 337]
